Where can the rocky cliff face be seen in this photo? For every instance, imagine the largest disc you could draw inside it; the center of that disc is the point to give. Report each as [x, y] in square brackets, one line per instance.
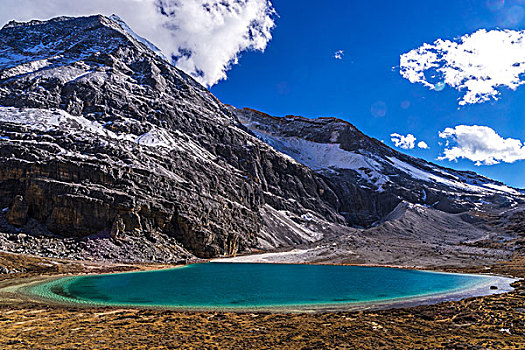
[101, 136]
[108, 151]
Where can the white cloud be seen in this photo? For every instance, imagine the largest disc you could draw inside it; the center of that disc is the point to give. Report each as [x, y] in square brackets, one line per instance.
[407, 142]
[422, 145]
[478, 64]
[404, 142]
[338, 55]
[205, 37]
[481, 145]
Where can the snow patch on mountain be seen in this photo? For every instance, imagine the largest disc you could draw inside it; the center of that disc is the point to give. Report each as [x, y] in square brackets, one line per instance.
[327, 157]
[157, 138]
[503, 188]
[25, 68]
[49, 120]
[44, 120]
[430, 177]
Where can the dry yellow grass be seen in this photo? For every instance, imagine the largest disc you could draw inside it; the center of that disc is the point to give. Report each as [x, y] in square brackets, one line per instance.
[492, 322]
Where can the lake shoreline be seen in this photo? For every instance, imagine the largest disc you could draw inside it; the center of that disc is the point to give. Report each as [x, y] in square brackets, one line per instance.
[495, 321]
[494, 284]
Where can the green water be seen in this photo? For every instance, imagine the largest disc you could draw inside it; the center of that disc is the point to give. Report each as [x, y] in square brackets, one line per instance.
[223, 285]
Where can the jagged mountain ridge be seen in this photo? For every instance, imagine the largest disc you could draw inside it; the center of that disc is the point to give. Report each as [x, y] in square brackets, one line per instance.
[371, 177]
[109, 148]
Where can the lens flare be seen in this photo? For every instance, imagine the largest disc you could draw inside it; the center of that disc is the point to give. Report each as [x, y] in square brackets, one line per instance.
[378, 109]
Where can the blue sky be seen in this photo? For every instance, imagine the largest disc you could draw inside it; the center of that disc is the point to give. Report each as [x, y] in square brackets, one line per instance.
[298, 74]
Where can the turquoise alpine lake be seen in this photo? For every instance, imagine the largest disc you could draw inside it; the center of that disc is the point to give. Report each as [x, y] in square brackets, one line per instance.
[251, 286]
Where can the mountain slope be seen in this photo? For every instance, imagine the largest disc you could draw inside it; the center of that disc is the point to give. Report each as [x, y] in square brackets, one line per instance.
[101, 136]
[370, 177]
